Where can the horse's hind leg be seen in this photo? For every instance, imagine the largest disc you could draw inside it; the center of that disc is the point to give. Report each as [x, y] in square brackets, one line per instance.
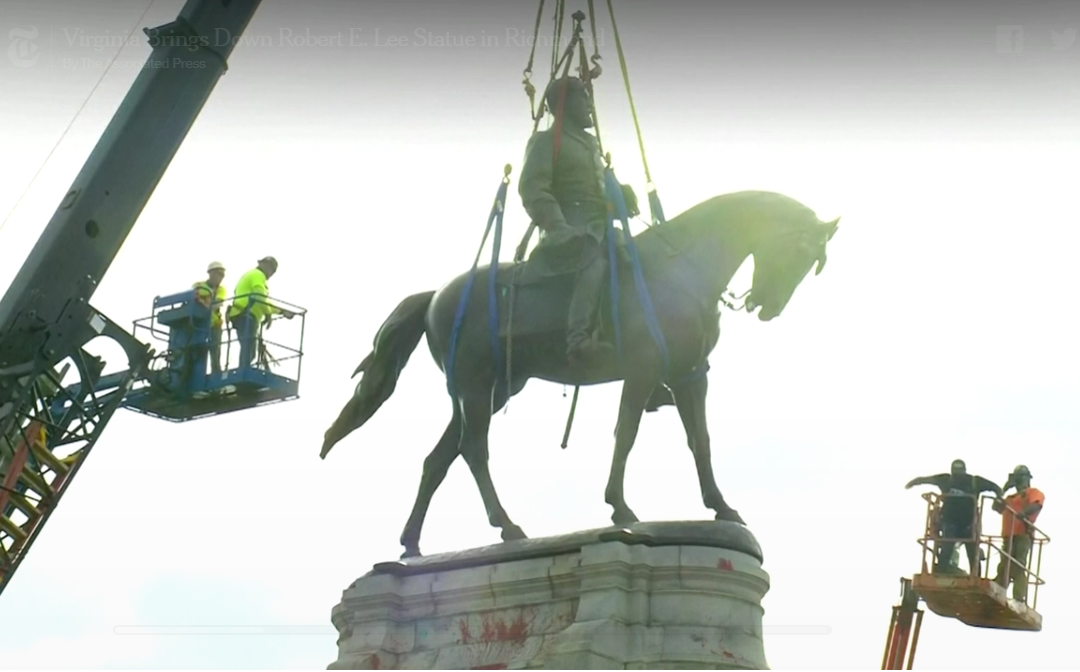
[436, 466]
[690, 401]
[477, 410]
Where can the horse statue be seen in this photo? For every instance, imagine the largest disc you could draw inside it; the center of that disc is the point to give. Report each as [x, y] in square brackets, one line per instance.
[687, 264]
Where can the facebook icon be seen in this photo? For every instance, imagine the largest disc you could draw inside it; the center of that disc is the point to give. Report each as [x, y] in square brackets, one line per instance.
[1010, 39]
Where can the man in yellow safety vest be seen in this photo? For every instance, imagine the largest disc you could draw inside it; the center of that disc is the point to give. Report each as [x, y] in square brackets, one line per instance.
[250, 306]
[211, 293]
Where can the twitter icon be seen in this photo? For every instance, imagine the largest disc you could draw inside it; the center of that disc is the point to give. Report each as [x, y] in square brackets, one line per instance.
[1063, 40]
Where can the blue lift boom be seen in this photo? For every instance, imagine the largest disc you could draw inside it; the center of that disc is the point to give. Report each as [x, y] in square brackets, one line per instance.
[47, 429]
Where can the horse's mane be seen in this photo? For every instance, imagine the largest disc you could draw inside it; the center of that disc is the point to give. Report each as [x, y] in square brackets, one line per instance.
[678, 233]
[720, 209]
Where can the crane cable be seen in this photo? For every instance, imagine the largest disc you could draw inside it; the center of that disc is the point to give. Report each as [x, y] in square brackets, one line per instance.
[78, 113]
[530, 90]
[650, 187]
[560, 19]
[537, 114]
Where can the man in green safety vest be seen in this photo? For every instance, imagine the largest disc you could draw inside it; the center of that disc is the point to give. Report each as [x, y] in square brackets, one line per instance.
[211, 293]
[562, 189]
[250, 307]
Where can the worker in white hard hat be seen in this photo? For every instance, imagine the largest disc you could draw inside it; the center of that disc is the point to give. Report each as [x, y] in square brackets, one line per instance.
[211, 293]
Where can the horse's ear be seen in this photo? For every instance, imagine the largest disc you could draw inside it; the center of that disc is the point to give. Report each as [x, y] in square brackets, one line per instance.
[830, 228]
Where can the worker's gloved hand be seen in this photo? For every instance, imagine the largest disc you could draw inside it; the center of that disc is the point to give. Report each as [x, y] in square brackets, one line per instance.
[288, 315]
[998, 505]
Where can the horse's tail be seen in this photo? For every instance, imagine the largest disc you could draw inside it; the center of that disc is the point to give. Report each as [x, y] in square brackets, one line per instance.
[394, 343]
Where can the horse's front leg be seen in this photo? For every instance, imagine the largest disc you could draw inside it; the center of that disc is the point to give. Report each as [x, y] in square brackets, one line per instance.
[690, 401]
[634, 395]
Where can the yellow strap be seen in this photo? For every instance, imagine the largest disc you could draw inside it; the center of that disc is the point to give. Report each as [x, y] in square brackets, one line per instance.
[629, 94]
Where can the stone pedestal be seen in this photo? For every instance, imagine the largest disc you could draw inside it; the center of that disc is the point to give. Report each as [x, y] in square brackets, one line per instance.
[670, 595]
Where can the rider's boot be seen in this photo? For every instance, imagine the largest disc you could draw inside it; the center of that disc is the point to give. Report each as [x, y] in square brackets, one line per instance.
[582, 348]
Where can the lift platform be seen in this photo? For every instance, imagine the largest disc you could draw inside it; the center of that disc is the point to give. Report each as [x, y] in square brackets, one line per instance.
[974, 598]
[40, 457]
[180, 385]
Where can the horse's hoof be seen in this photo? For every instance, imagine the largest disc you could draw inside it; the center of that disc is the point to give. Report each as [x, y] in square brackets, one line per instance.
[624, 518]
[513, 533]
[411, 552]
[730, 516]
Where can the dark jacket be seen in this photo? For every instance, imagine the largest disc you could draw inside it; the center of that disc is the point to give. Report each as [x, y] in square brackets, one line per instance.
[959, 509]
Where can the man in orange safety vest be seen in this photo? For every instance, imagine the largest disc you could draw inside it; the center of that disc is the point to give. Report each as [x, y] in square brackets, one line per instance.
[1018, 513]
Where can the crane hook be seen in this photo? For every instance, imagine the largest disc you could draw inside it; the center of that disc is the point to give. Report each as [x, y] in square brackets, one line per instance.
[596, 70]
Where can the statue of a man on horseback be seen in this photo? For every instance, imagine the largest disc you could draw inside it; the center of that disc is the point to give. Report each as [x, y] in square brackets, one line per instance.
[689, 263]
[562, 190]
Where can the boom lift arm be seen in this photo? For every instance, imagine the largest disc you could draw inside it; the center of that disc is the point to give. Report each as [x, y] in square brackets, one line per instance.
[46, 317]
[903, 638]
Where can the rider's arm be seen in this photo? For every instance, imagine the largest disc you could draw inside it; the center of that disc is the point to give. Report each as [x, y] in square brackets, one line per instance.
[535, 185]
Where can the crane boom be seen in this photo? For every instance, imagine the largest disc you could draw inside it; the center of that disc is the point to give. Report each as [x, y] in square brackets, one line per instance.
[95, 217]
[45, 315]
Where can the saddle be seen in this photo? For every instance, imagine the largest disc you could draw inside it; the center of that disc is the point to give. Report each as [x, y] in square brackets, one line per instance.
[541, 299]
[541, 310]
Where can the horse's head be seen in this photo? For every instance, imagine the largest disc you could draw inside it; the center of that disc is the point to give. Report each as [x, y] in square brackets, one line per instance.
[783, 259]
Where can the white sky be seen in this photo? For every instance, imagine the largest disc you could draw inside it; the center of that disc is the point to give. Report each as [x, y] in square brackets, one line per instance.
[942, 327]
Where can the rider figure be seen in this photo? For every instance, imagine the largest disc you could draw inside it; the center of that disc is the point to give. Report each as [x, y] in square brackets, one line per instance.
[563, 191]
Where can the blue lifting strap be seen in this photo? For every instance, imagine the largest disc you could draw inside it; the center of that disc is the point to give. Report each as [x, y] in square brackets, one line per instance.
[615, 195]
[496, 219]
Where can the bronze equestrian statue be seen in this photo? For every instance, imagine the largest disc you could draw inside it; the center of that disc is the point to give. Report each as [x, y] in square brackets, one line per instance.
[562, 189]
[687, 263]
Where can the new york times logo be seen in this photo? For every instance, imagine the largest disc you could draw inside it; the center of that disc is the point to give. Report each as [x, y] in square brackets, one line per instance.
[23, 51]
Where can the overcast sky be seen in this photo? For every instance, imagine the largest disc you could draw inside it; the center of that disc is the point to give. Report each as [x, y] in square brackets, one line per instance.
[943, 326]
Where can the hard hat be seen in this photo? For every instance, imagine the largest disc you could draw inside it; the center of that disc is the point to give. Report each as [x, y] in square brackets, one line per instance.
[1021, 470]
[959, 464]
[215, 266]
[268, 260]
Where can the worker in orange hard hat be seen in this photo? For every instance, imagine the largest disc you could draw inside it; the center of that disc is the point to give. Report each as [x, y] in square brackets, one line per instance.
[211, 293]
[1018, 513]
